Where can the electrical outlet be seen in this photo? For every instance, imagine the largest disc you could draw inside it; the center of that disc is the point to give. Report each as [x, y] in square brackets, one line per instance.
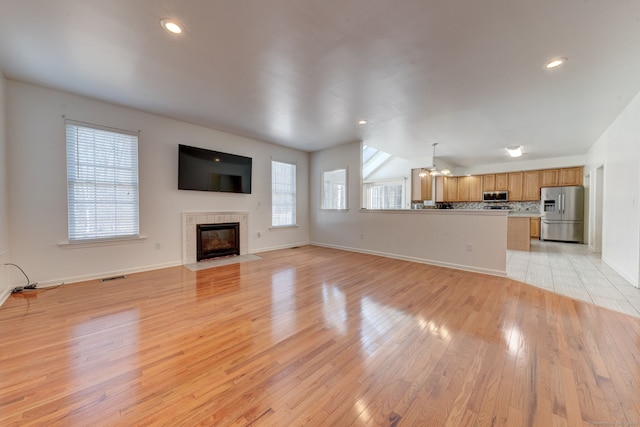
[469, 247]
[158, 246]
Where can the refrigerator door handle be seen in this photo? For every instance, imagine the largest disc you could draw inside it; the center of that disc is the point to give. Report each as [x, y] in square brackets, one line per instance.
[562, 203]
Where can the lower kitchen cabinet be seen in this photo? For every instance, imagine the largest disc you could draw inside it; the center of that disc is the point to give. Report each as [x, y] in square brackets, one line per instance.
[518, 233]
[535, 228]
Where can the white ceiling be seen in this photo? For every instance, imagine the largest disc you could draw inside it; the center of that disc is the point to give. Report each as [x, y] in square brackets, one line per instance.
[467, 74]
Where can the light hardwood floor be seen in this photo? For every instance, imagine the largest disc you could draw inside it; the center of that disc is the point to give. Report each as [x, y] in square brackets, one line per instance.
[315, 336]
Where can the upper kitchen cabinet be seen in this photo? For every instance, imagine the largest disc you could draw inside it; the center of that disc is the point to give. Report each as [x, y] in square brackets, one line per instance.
[502, 182]
[561, 177]
[571, 176]
[531, 187]
[470, 188]
[495, 182]
[420, 186]
[549, 178]
[489, 182]
[450, 188]
[515, 186]
[446, 189]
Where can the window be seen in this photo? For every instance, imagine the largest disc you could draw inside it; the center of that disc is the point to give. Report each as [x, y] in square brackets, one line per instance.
[334, 189]
[283, 194]
[384, 195]
[102, 183]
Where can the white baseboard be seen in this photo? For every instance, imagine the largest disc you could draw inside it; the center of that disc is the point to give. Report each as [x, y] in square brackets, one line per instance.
[418, 260]
[76, 279]
[4, 296]
[624, 276]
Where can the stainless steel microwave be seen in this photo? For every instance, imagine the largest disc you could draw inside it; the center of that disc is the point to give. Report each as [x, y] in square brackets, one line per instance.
[495, 196]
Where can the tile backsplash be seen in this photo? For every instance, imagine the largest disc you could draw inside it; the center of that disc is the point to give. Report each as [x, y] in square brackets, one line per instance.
[513, 206]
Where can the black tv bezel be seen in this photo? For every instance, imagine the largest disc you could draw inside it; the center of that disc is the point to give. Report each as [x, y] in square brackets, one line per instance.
[236, 158]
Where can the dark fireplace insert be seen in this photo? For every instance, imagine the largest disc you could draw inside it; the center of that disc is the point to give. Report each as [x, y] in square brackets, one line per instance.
[218, 240]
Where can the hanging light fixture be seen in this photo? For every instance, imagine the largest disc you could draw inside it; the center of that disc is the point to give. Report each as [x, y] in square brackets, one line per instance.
[433, 170]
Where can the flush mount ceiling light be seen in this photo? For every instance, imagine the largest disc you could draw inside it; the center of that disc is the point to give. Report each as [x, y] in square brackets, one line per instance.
[515, 151]
[171, 25]
[555, 63]
[362, 122]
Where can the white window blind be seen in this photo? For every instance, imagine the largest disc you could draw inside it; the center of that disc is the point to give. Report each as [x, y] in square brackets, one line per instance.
[102, 183]
[283, 194]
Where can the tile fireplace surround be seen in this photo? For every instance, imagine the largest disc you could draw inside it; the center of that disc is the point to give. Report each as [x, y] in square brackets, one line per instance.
[191, 219]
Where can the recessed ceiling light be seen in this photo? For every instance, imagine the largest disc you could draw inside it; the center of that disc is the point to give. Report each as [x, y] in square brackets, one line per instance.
[555, 63]
[515, 151]
[362, 122]
[171, 26]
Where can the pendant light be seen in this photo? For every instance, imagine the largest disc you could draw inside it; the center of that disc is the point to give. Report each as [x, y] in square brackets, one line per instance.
[433, 170]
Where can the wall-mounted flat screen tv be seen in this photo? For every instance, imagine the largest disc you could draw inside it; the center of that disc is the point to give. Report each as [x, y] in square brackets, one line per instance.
[207, 170]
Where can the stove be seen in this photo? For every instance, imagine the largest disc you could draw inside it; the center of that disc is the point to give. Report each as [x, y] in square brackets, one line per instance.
[494, 207]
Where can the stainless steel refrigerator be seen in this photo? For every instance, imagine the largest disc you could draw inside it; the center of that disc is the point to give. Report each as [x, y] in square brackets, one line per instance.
[562, 210]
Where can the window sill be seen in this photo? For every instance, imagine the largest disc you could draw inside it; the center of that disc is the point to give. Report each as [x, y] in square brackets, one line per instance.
[279, 227]
[334, 210]
[102, 242]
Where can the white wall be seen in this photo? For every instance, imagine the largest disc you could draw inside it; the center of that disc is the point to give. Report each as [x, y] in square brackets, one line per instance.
[523, 165]
[618, 150]
[4, 191]
[434, 237]
[37, 180]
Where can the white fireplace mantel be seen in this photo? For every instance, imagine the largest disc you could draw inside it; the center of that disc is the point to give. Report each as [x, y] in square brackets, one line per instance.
[191, 219]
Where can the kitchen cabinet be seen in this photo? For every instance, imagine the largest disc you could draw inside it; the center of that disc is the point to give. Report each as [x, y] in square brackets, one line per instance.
[495, 182]
[446, 189]
[561, 177]
[489, 182]
[535, 228]
[469, 188]
[421, 187]
[515, 186]
[531, 187]
[450, 188]
[518, 233]
[571, 176]
[502, 182]
[549, 178]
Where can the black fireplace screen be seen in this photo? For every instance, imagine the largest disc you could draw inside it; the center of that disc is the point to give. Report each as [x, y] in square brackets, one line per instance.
[218, 240]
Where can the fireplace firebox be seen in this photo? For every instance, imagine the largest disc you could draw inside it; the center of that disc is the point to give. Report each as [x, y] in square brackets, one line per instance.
[218, 240]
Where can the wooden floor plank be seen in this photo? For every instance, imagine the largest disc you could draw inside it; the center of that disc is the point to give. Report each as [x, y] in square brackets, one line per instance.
[315, 336]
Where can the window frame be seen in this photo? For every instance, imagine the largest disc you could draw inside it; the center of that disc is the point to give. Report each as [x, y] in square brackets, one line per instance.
[294, 194]
[344, 196]
[124, 173]
[367, 186]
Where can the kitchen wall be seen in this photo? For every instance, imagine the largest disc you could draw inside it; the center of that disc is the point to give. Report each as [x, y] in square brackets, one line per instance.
[618, 152]
[435, 237]
[4, 191]
[38, 203]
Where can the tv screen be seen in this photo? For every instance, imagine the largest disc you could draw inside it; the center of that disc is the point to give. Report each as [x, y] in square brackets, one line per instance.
[207, 170]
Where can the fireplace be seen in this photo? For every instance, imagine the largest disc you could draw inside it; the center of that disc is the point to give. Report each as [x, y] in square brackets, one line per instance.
[217, 240]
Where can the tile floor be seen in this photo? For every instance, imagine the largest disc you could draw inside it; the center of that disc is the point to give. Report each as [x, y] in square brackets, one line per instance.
[573, 270]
